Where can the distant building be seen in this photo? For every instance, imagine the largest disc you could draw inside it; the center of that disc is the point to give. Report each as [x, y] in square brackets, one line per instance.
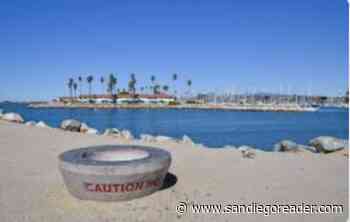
[157, 98]
[122, 98]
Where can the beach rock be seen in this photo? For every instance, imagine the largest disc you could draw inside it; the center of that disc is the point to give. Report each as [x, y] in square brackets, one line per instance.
[327, 144]
[71, 125]
[30, 123]
[92, 131]
[286, 146]
[187, 140]
[126, 134]
[112, 132]
[12, 117]
[42, 125]
[84, 128]
[247, 152]
[147, 138]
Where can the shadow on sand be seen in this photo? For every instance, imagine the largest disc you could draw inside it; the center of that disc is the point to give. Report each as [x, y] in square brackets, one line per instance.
[169, 181]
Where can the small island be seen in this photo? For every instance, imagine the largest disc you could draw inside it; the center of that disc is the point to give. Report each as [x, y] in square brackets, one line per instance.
[159, 96]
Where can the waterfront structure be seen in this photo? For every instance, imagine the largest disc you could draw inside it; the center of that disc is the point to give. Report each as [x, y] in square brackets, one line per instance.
[122, 98]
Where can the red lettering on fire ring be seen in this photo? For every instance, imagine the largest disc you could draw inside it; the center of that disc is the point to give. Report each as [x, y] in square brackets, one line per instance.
[122, 188]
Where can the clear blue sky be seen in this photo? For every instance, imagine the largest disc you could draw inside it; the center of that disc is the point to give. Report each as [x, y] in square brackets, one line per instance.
[221, 45]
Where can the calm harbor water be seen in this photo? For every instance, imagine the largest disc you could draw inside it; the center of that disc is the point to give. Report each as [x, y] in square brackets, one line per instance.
[210, 127]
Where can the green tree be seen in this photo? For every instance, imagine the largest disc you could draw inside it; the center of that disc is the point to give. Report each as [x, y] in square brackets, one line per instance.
[102, 80]
[166, 88]
[70, 87]
[89, 80]
[189, 84]
[80, 80]
[132, 84]
[156, 89]
[153, 80]
[175, 77]
[112, 82]
[75, 87]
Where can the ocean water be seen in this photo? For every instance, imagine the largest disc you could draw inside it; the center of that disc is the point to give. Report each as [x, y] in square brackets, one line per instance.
[212, 128]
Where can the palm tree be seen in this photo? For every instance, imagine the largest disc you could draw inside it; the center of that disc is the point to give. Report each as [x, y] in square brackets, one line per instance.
[75, 87]
[175, 77]
[70, 87]
[112, 82]
[153, 80]
[132, 84]
[80, 79]
[102, 80]
[189, 84]
[156, 89]
[89, 80]
[166, 88]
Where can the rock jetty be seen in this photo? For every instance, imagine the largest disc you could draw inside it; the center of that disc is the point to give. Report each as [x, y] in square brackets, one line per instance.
[71, 125]
[322, 144]
[12, 117]
[327, 144]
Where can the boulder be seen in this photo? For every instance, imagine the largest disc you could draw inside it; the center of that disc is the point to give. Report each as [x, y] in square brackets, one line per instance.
[42, 124]
[286, 146]
[148, 138]
[30, 123]
[92, 131]
[247, 152]
[187, 140]
[112, 132]
[71, 125]
[126, 134]
[327, 144]
[84, 128]
[12, 117]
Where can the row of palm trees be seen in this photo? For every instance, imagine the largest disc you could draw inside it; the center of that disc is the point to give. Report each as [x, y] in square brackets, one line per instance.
[111, 82]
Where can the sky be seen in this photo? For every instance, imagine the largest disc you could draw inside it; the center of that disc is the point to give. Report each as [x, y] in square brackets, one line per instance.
[225, 46]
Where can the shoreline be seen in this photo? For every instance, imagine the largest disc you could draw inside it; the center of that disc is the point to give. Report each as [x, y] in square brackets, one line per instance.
[34, 189]
[142, 136]
[225, 107]
[325, 144]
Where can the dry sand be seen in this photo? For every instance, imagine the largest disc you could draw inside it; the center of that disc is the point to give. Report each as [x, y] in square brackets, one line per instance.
[31, 187]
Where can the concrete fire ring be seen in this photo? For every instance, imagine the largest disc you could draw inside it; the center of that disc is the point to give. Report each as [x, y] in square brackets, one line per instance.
[114, 172]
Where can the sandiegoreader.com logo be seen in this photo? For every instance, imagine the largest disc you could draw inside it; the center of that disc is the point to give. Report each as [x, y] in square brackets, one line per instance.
[256, 208]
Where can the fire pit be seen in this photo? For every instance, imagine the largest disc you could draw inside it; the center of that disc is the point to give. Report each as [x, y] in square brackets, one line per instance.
[114, 173]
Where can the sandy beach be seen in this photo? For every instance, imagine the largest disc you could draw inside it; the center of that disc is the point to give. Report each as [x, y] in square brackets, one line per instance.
[32, 189]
